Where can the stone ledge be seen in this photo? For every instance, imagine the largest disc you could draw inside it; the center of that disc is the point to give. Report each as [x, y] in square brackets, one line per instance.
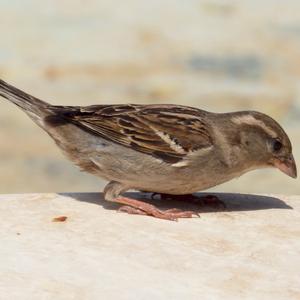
[250, 251]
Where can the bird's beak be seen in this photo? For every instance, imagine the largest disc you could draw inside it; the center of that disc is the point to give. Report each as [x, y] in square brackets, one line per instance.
[287, 166]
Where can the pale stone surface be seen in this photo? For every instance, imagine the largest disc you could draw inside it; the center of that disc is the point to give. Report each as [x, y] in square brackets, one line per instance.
[250, 251]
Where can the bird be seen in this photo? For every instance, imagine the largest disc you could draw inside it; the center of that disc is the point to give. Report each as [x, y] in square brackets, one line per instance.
[164, 149]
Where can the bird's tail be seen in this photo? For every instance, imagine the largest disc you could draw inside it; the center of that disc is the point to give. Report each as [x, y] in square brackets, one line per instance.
[29, 104]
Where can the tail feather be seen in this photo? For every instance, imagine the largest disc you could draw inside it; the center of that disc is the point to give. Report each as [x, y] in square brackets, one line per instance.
[29, 104]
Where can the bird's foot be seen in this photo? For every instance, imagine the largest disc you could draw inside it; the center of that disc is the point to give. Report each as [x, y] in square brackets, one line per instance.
[207, 200]
[211, 201]
[133, 206]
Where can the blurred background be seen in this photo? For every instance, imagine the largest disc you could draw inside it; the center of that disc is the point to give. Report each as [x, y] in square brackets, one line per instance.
[217, 55]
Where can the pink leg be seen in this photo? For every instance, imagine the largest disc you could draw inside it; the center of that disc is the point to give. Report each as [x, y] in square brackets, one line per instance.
[131, 210]
[134, 206]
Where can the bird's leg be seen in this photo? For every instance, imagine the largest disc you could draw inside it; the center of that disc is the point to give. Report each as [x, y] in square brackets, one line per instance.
[207, 200]
[131, 210]
[132, 206]
[213, 201]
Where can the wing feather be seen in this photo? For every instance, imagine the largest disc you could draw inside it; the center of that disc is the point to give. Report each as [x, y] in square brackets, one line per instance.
[169, 132]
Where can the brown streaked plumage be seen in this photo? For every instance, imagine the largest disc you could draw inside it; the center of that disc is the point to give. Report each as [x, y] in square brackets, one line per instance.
[145, 128]
[169, 149]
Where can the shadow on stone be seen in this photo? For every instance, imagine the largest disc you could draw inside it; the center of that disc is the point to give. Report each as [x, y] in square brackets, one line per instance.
[234, 202]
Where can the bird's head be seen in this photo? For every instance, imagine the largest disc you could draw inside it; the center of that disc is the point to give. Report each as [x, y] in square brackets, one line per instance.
[265, 142]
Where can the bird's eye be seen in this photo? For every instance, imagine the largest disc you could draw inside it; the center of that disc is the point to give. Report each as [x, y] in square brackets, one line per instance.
[277, 145]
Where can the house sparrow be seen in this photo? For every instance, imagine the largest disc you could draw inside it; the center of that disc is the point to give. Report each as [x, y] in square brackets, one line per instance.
[167, 149]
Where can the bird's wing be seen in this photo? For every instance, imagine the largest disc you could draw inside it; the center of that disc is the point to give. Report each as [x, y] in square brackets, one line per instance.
[168, 132]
